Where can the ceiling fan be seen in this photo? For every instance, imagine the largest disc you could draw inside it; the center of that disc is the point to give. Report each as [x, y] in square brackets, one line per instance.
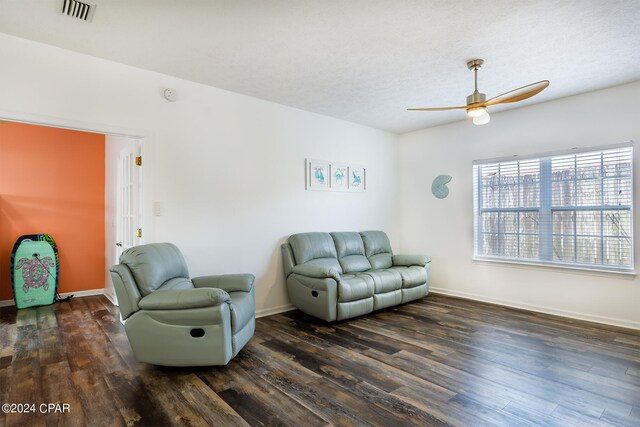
[477, 102]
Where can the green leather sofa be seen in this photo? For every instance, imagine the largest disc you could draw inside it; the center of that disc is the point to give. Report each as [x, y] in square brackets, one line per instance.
[172, 320]
[336, 276]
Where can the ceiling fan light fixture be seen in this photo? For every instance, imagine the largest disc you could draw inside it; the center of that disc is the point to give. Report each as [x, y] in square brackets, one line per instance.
[477, 102]
[482, 120]
[476, 112]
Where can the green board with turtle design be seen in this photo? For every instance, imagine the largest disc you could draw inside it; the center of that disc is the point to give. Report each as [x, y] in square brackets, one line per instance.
[34, 270]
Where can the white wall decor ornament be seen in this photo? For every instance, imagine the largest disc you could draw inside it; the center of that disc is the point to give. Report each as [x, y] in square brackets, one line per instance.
[439, 186]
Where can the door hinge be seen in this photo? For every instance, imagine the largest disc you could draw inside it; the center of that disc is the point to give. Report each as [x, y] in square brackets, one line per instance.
[138, 160]
[139, 232]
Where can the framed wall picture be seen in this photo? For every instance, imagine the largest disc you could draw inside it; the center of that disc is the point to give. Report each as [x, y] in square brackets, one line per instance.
[317, 175]
[357, 178]
[339, 177]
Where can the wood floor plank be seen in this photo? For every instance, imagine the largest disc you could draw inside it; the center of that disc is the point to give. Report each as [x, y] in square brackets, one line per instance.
[160, 387]
[260, 404]
[195, 390]
[96, 400]
[133, 402]
[525, 412]
[58, 387]
[436, 361]
[571, 417]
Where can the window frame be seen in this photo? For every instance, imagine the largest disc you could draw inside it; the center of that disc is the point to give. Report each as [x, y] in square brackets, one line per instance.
[546, 210]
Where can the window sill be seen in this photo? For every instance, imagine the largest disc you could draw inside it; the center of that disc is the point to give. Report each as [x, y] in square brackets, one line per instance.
[564, 268]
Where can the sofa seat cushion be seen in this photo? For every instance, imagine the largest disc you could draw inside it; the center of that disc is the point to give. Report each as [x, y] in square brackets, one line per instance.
[242, 309]
[387, 299]
[410, 294]
[385, 280]
[347, 310]
[412, 276]
[352, 287]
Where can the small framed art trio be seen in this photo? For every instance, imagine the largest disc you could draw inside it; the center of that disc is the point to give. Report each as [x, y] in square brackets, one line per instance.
[323, 175]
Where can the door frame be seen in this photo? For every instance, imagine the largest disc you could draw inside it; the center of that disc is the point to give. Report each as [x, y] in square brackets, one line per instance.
[144, 136]
[126, 158]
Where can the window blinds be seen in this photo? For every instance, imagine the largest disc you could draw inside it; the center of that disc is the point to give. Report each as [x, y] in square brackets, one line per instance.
[572, 208]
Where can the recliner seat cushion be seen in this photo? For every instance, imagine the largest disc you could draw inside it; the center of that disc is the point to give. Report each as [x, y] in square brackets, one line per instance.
[154, 264]
[377, 249]
[385, 280]
[412, 276]
[352, 287]
[308, 246]
[176, 284]
[350, 251]
[354, 308]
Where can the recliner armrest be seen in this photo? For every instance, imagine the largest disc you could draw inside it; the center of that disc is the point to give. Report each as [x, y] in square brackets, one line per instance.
[317, 271]
[227, 282]
[188, 298]
[126, 290]
[409, 260]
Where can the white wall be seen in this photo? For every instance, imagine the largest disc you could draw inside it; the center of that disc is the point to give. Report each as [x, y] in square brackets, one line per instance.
[227, 169]
[444, 228]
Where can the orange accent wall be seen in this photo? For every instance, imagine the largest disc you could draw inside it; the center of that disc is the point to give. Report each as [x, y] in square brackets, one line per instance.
[53, 181]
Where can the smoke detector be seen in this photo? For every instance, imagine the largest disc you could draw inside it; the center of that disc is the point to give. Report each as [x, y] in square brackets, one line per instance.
[78, 10]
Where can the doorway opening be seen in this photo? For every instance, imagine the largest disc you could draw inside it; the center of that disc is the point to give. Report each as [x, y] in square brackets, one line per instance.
[119, 214]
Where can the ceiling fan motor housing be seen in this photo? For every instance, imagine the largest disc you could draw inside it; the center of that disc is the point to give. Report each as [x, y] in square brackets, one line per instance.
[476, 97]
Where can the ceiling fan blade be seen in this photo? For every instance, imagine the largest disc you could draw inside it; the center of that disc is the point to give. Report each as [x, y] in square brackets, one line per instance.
[519, 94]
[437, 109]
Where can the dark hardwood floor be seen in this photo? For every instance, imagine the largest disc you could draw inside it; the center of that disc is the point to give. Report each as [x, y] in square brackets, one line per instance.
[438, 361]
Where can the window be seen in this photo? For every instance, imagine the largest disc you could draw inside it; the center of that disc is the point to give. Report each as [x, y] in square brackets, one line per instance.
[569, 209]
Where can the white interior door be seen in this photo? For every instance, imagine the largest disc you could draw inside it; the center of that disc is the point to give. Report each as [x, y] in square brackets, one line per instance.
[128, 218]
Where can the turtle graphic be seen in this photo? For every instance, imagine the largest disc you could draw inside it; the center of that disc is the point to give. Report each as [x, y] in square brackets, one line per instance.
[35, 271]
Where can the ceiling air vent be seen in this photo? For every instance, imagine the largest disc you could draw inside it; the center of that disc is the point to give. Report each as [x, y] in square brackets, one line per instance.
[78, 9]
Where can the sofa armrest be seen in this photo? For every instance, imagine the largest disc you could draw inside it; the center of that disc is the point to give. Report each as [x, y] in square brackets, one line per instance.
[227, 282]
[188, 298]
[409, 260]
[317, 271]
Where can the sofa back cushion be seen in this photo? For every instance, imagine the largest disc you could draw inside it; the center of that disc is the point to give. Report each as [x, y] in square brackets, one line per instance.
[351, 255]
[308, 246]
[153, 264]
[377, 249]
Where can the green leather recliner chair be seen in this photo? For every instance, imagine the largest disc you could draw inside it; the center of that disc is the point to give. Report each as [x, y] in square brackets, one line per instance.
[172, 320]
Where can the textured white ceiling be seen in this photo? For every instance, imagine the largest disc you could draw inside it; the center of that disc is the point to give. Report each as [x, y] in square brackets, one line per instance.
[364, 61]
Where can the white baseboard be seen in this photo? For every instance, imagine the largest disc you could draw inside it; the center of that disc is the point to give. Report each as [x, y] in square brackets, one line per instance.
[89, 293]
[77, 294]
[111, 297]
[274, 310]
[539, 308]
